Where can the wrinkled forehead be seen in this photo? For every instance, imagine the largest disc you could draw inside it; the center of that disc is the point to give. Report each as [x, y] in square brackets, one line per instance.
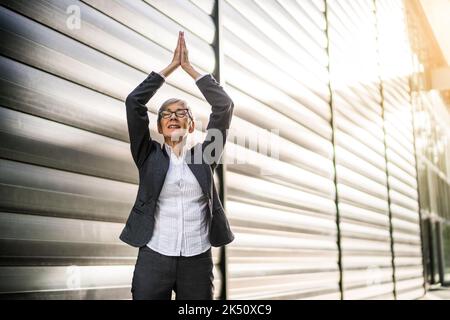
[175, 106]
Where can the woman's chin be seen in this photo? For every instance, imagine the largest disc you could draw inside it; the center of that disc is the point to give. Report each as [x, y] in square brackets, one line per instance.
[176, 134]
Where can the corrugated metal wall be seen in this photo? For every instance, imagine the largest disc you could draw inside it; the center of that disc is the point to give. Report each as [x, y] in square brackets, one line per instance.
[432, 136]
[68, 181]
[282, 210]
[360, 158]
[399, 137]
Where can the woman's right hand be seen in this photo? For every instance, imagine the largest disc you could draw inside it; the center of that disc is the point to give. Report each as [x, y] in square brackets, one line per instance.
[185, 63]
[176, 60]
[180, 58]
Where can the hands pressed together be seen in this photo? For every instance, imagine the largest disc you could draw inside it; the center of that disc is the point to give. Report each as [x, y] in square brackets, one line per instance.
[181, 58]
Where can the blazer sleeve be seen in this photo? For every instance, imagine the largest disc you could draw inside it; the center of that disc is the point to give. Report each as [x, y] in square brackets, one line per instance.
[137, 117]
[219, 119]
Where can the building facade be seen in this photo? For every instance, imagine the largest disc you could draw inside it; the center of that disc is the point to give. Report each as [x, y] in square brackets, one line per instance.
[351, 202]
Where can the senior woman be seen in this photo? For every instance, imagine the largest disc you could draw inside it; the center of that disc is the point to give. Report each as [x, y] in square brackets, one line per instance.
[177, 215]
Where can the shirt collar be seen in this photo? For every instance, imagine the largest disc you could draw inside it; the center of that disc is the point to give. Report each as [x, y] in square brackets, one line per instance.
[169, 150]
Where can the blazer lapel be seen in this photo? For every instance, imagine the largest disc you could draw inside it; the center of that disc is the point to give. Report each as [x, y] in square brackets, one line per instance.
[198, 170]
[160, 171]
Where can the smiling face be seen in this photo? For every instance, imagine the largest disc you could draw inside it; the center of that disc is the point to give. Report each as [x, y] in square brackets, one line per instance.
[175, 128]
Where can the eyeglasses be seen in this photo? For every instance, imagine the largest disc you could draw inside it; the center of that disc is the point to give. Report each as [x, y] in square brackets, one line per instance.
[180, 113]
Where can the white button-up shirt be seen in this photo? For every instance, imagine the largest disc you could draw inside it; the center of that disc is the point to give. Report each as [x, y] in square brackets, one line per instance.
[181, 216]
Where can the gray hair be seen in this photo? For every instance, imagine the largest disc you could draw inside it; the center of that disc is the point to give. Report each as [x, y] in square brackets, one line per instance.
[174, 101]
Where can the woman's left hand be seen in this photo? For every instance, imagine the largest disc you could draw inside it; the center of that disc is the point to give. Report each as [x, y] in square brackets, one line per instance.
[185, 63]
[184, 58]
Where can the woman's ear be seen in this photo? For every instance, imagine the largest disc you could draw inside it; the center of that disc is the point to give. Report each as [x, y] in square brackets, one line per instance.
[191, 126]
[159, 128]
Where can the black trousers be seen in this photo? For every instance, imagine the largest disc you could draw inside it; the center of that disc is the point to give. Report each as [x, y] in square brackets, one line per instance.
[156, 275]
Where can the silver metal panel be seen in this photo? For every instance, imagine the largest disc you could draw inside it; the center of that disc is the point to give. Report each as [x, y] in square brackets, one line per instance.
[395, 73]
[68, 180]
[282, 209]
[360, 153]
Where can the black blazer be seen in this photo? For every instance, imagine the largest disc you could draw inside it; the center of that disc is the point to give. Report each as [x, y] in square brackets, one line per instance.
[153, 161]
